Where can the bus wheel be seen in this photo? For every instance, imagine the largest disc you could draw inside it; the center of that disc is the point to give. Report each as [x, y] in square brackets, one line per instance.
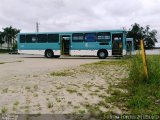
[48, 53]
[102, 54]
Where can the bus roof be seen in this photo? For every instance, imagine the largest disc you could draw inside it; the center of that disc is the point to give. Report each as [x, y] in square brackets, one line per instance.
[70, 32]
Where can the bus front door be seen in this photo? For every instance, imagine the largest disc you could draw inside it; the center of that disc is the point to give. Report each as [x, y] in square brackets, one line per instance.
[65, 44]
[117, 44]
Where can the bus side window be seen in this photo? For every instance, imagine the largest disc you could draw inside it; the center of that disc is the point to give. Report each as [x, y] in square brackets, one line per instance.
[103, 37]
[77, 37]
[31, 39]
[42, 38]
[22, 38]
[90, 37]
[53, 38]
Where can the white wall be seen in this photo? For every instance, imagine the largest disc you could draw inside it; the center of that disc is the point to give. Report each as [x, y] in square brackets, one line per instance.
[148, 52]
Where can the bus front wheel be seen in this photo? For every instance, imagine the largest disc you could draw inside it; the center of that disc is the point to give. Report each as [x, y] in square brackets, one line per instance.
[49, 54]
[102, 54]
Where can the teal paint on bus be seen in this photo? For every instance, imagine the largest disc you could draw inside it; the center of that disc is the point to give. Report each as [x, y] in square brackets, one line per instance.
[39, 46]
[89, 46]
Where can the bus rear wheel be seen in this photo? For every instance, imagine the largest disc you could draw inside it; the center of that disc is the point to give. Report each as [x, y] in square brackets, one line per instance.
[49, 54]
[102, 54]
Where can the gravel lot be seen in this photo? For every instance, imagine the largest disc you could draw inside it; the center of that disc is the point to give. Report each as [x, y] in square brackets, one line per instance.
[36, 85]
[11, 65]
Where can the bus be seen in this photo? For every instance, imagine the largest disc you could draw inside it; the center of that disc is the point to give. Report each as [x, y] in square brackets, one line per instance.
[102, 43]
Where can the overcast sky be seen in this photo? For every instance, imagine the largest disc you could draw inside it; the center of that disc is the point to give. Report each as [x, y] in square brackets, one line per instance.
[70, 15]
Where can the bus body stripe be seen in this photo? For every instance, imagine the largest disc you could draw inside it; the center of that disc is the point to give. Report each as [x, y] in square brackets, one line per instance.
[87, 52]
[37, 52]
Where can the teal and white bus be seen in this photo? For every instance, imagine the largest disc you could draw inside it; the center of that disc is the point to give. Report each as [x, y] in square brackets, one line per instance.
[83, 43]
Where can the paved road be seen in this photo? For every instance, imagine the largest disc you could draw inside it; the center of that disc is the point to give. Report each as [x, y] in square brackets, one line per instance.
[33, 64]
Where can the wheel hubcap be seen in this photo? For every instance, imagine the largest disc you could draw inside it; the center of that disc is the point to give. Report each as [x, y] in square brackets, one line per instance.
[102, 54]
[49, 54]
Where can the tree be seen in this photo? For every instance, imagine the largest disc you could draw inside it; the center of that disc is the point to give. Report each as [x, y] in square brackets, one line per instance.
[137, 33]
[10, 35]
[150, 39]
[1, 39]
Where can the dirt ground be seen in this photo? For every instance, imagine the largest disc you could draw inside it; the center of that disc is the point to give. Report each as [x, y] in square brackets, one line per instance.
[12, 65]
[36, 85]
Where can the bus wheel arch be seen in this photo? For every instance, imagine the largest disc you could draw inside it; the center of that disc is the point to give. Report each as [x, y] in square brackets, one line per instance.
[102, 53]
[49, 53]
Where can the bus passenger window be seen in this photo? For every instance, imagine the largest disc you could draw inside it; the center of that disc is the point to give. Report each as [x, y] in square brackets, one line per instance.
[22, 38]
[77, 37]
[53, 38]
[42, 38]
[31, 38]
[34, 39]
[103, 37]
[90, 37]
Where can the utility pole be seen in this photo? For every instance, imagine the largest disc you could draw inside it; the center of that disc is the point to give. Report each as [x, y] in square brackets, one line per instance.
[37, 26]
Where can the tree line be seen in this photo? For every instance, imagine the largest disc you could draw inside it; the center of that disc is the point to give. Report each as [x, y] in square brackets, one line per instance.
[137, 32]
[9, 35]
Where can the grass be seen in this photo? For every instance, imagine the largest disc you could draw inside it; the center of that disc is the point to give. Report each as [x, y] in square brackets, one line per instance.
[80, 94]
[44, 91]
[84, 71]
[93, 110]
[58, 99]
[82, 112]
[5, 90]
[2, 51]
[144, 92]
[14, 108]
[50, 104]
[16, 103]
[62, 73]
[88, 85]
[35, 95]
[71, 90]
[9, 62]
[102, 63]
[76, 107]
[24, 107]
[4, 110]
[35, 87]
[69, 102]
[19, 61]
[47, 99]
[35, 75]
[97, 91]
[27, 87]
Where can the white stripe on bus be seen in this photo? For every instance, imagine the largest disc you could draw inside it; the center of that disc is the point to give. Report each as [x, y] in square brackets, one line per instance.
[37, 52]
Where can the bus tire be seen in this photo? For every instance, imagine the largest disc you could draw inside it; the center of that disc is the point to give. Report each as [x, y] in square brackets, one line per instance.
[49, 53]
[102, 54]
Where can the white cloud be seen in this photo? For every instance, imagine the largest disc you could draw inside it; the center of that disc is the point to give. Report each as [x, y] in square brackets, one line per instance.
[70, 15]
